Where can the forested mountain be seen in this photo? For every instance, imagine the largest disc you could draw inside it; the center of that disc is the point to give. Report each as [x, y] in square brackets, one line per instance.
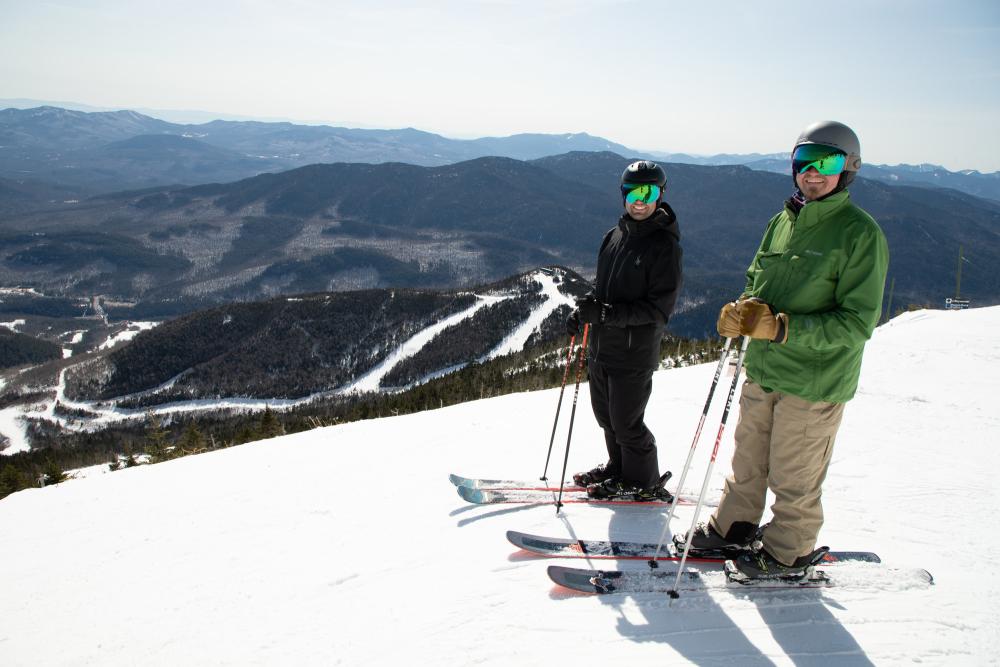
[165, 251]
[293, 347]
[17, 349]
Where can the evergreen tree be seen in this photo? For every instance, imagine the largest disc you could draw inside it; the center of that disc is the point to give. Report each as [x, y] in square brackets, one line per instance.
[53, 474]
[270, 427]
[11, 480]
[192, 441]
[156, 438]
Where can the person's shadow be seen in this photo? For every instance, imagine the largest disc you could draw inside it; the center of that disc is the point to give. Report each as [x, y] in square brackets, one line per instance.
[807, 631]
[696, 627]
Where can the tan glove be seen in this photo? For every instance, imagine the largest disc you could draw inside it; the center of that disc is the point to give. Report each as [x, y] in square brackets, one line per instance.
[758, 320]
[728, 324]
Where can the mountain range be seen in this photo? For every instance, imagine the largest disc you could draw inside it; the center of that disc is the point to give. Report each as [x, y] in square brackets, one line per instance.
[97, 152]
[163, 251]
[109, 151]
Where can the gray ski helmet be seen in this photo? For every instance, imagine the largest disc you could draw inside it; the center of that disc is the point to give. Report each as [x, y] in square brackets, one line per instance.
[644, 172]
[837, 135]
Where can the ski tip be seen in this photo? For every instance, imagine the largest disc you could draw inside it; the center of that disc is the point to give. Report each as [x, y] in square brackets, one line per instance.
[585, 581]
[538, 545]
[475, 496]
[516, 538]
[572, 578]
[458, 480]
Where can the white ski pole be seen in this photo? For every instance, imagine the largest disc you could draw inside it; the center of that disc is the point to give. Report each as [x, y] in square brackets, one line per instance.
[711, 464]
[694, 444]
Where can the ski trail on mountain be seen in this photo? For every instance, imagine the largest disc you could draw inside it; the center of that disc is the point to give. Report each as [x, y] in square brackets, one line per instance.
[517, 339]
[371, 380]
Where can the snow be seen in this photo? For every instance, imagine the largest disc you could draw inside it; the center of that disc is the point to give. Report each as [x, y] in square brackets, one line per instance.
[131, 331]
[278, 552]
[12, 427]
[12, 325]
[371, 380]
[516, 341]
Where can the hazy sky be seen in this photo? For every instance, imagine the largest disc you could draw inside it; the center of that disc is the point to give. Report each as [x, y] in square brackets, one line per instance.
[919, 80]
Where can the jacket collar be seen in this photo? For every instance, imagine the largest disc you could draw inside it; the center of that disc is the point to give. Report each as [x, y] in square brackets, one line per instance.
[814, 211]
[663, 218]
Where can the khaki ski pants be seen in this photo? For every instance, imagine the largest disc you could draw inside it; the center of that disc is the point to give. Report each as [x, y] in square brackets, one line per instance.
[784, 443]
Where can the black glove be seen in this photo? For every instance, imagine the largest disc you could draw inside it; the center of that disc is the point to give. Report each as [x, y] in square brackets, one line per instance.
[591, 310]
[573, 323]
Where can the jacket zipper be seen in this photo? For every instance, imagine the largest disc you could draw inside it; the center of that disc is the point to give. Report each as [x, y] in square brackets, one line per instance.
[607, 292]
[614, 263]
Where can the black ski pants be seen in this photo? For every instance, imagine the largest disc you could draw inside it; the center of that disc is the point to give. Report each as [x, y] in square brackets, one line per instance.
[618, 397]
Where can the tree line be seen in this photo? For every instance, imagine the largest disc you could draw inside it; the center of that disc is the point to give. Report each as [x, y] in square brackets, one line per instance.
[157, 439]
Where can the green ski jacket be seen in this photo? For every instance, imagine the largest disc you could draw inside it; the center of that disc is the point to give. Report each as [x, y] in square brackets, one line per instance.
[825, 268]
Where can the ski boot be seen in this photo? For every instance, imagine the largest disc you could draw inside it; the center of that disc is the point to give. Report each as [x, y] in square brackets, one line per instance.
[615, 489]
[756, 564]
[706, 542]
[594, 476]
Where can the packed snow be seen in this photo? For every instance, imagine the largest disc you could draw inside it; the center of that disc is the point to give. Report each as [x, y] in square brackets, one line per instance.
[348, 545]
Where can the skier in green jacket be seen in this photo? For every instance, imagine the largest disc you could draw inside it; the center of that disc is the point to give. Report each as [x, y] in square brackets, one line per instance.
[812, 299]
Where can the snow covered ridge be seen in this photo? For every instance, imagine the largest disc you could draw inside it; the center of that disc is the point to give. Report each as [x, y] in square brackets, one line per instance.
[384, 573]
[268, 339]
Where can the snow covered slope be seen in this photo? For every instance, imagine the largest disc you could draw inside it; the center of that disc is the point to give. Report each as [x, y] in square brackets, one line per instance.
[347, 545]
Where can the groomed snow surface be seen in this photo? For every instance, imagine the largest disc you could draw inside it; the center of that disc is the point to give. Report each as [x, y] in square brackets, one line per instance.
[348, 545]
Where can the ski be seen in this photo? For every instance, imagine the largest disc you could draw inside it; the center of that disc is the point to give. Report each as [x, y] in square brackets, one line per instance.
[856, 575]
[557, 547]
[508, 484]
[548, 497]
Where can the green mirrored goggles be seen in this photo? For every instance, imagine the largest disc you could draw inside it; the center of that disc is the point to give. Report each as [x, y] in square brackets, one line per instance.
[645, 193]
[826, 160]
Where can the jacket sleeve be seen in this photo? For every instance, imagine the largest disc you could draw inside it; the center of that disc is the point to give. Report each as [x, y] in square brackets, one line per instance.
[665, 282]
[858, 296]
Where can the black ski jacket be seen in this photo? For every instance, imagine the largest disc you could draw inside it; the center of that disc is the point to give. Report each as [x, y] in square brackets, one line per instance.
[639, 276]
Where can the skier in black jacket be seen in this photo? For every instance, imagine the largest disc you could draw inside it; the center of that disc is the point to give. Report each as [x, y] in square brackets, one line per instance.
[638, 279]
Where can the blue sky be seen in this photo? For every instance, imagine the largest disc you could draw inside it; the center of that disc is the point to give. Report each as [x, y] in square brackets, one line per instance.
[918, 80]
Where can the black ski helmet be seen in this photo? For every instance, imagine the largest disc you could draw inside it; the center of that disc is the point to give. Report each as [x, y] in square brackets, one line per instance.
[644, 172]
[839, 136]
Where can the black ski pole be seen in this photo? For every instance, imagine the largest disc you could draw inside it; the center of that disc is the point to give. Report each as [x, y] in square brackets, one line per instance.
[711, 464]
[552, 438]
[694, 444]
[572, 415]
